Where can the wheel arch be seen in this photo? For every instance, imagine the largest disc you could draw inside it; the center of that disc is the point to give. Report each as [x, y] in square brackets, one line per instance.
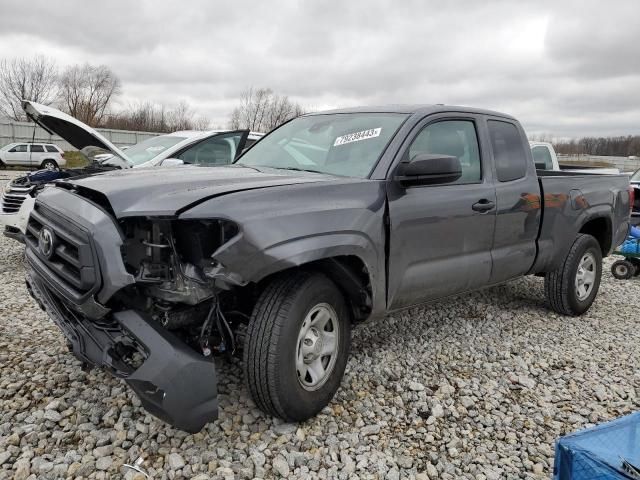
[599, 228]
[348, 272]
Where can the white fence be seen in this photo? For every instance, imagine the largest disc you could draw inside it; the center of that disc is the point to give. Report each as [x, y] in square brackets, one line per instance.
[624, 164]
[11, 132]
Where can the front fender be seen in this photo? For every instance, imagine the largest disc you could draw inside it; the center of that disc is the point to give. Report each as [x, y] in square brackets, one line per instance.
[285, 227]
[239, 266]
[296, 252]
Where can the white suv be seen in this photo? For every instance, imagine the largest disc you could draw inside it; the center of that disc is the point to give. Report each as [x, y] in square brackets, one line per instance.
[38, 155]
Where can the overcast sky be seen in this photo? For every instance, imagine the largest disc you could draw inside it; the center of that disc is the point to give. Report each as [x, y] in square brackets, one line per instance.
[564, 68]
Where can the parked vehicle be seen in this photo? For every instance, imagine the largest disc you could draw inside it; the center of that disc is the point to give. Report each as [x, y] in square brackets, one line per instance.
[214, 147]
[47, 156]
[331, 219]
[545, 158]
[635, 184]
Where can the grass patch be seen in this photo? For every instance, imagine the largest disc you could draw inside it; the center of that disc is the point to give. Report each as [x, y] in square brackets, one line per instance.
[75, 160]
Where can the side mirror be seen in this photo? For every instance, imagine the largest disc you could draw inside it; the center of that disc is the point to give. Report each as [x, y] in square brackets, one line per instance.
[429, 169]
[171, 162]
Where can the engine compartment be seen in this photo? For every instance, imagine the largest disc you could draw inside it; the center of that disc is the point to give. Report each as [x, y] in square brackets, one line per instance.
[175, 279]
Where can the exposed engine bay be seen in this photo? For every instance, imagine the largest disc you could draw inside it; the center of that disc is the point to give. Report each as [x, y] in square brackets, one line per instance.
[176, 280]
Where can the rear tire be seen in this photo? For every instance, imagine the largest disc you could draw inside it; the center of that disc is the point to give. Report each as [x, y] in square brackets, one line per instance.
[291, 368]
[572, 287]
[623, 269]
[49, 165]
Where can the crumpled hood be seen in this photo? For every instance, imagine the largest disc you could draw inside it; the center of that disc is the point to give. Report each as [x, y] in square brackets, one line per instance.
[167, 191]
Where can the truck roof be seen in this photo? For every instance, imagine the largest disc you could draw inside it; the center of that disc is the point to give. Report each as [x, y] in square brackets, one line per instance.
[422, 109]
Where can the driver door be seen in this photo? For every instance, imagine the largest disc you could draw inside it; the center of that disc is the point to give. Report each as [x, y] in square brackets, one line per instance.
[441, 235]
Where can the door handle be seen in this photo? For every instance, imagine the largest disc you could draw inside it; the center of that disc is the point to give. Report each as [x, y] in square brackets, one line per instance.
[483, 205]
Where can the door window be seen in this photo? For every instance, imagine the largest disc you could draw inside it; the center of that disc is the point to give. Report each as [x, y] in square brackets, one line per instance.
[37, 149]
[19, 149]
[508, 150]
[217, 150]
[456, 138]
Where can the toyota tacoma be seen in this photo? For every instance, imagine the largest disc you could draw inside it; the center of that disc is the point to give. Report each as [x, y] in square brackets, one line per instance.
[332, 219]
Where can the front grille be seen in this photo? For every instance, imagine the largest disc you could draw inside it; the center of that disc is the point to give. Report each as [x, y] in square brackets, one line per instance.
[71, 260]
[12, 201]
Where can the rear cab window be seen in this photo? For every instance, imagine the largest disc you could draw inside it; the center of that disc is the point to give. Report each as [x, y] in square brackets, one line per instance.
[542, 157]
[508, 150]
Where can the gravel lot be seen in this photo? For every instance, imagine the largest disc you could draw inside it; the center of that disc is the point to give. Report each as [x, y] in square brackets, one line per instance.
[475, 387]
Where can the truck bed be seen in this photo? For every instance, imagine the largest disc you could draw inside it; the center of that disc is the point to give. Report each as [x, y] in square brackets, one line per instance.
[570, 200]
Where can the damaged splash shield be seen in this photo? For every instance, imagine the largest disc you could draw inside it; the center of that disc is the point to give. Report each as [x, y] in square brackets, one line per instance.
[172, 381]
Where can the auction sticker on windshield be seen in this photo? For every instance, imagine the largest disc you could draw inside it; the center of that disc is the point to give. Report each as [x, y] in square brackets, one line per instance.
[357, 136]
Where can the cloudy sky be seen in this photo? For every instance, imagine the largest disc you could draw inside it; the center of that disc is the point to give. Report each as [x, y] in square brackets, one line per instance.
[563, 68]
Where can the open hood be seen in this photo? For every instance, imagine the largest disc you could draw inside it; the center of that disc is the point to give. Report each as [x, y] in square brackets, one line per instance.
[81, 136]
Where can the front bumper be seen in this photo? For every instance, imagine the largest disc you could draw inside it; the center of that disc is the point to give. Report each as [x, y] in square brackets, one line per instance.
[173, 382]
[14, 225]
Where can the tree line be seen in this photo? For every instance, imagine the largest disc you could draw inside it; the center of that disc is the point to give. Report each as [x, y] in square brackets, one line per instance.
[88, 93]
[622, 146]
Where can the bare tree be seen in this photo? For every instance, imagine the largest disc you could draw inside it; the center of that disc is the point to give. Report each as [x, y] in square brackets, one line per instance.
[86, 91]
[29, 79]
[261, 110]
[156, 118]
[182, 117]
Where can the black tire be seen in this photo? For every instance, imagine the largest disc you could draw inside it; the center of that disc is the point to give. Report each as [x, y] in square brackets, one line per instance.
[2, 165]
[271, 345]
[636, 264]
[623, 269]
[49, 165]
[559, 285]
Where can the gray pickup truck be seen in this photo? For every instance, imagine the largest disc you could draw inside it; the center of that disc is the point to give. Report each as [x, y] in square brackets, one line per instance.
[331, 219]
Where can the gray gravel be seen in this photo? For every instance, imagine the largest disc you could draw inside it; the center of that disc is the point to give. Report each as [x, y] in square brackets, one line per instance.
[474, 387]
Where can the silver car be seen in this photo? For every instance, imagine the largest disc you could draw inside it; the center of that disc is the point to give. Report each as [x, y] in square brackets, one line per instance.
[37, 155]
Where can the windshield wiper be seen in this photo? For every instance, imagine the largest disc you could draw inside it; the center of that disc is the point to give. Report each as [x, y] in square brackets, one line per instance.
[295, 169]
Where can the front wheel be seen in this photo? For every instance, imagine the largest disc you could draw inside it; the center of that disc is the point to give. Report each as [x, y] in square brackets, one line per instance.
[297, 345]
[572, 287]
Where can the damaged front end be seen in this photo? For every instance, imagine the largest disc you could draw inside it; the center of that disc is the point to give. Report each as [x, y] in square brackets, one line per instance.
[177, 281]
[140, 298]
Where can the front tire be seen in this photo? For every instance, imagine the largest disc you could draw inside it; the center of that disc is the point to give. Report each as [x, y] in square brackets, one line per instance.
[572, 287]
[297, 346]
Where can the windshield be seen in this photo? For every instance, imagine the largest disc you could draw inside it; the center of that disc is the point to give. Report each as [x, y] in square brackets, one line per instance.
[347, 144]
[152, 147]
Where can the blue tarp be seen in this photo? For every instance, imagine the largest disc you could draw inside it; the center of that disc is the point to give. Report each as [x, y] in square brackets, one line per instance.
[596, 453]
[630, 246]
